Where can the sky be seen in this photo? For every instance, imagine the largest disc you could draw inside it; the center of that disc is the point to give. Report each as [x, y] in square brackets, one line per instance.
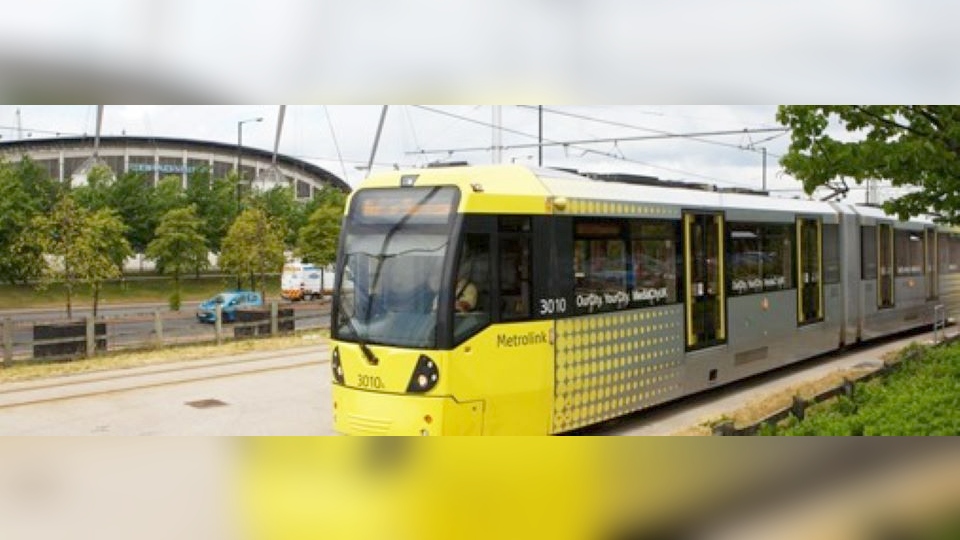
[685, 57]
[340, 137]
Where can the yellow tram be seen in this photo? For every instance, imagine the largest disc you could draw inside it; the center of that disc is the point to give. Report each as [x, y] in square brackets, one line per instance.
[588, 300]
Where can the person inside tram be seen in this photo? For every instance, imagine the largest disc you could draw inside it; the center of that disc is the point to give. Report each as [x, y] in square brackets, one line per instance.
[465, 291]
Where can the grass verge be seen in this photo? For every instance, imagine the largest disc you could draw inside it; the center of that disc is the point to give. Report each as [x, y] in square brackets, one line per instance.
[25, 371]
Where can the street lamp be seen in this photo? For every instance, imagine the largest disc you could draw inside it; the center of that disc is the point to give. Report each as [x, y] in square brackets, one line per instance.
[240, 166]
[240, 155]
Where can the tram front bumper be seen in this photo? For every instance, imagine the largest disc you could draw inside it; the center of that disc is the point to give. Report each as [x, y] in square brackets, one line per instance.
[360, 412]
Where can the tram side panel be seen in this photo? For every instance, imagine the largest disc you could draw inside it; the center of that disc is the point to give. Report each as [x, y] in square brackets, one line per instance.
[850, 272]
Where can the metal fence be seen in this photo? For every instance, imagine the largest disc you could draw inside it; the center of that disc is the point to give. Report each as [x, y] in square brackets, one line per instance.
[54, 340]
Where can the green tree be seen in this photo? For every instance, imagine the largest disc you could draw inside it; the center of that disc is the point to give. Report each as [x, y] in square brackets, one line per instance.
[82, 246]
[317, 240]
[912, 146]
[18, 206]
[168, 195]
[253, 247]
[95, 194]
[216, 201]
[179, 246]
[109, 248]
[131, 195]
[43, 189]
[280, 205]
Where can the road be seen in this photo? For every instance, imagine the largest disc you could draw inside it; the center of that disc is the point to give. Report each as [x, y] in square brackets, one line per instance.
[130, 325]
[288, 393]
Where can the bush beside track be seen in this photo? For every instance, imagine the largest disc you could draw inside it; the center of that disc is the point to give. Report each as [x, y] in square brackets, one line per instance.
[921, 396]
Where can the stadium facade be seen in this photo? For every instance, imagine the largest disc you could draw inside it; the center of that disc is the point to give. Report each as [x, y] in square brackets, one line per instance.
[68, 158]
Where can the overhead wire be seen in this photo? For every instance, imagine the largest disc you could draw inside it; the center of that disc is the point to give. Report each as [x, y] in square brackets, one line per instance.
[579, 147]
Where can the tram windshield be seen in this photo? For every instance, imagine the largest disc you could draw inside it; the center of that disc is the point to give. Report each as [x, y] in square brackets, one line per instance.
[392, 259]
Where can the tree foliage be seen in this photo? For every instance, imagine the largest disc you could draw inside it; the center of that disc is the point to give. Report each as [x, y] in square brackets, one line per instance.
[216, 201]
[280, 206]
[17, 208]
[253, 247]
[912, 146]
[179, 245]
[317, 240]
[131, 195]
[106, 234]
[81, 247]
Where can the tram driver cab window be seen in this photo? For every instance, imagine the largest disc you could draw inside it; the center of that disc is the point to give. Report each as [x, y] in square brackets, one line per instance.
[471, 295]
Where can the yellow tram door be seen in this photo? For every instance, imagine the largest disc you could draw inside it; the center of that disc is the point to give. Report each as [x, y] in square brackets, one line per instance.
[885, 297]
[810, 270]
[704, 280]
[930, 270]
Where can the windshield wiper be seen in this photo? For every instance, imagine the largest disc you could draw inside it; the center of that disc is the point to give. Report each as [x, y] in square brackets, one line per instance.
[372, 358]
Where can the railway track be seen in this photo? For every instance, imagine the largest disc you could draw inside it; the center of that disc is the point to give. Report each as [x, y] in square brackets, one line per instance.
[59, 389]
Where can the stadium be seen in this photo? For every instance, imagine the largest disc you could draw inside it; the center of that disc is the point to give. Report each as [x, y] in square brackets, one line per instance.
[71, 157]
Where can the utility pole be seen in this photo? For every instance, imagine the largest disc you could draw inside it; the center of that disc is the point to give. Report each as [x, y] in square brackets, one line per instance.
[540, 136]
[497, 134]
[764, 149]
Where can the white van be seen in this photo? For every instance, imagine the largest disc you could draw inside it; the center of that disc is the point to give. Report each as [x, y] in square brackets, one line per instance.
[304, 281]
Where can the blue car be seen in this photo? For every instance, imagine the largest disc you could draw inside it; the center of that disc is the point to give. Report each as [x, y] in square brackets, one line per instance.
[230, 302]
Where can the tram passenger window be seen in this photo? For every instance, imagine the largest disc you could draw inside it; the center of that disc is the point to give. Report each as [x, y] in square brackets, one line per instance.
[868, 251]
[653, 274]
[515, 269]
[954, 265]
[600, 264]
[943, 257]
[778, 257]
[831, 253]
[514, 277]
[745, 264]
[908, 252]
[761, 257]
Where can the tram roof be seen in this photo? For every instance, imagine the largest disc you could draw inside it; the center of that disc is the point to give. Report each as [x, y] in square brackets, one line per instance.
[525, 189]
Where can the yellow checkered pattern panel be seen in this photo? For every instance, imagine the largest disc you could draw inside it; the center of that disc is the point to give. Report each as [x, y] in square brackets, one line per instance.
[614, 363]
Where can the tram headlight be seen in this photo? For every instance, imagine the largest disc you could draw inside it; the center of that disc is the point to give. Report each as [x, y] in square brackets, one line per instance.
[425, 375]
[335, 366]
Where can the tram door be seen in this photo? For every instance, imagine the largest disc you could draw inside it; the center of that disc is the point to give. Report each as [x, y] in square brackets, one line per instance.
[703, 280]
[884, 265]
[810, 266]
[930, 263]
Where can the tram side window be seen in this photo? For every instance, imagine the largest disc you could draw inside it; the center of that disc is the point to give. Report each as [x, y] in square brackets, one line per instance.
[943, 245]
[745, 262]
[515, 271]
[653, 274]
[472, 287]
[954, 265]
[868, 252]
[761, 257]
[908, 252]
[600, 264]
[831, 253]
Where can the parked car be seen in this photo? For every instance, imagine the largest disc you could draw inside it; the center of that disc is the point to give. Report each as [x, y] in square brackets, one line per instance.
[230, 302]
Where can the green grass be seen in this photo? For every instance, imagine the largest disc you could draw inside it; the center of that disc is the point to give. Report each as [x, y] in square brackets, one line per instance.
[922, 397]
[128, 291]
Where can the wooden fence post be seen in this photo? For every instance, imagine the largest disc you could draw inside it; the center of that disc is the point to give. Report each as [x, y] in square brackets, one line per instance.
[218, 323]
[91, 336]
[274, 323]
[158, 327]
